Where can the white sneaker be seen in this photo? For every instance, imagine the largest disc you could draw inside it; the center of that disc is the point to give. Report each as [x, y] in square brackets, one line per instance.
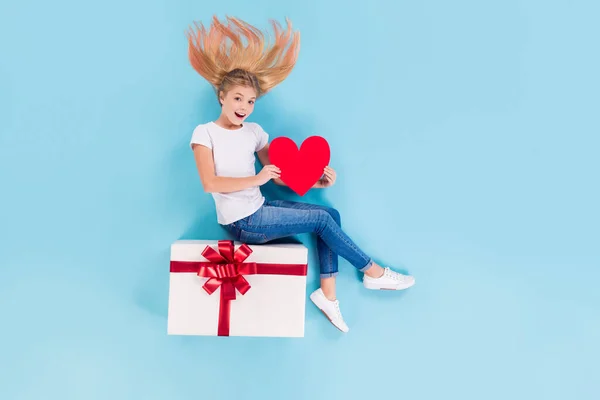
[390, 280]
[331, 309]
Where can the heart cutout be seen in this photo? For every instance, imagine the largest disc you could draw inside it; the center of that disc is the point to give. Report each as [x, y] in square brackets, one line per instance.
[300, 168]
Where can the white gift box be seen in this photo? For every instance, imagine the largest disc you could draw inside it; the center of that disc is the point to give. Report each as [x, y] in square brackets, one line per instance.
[269, 287]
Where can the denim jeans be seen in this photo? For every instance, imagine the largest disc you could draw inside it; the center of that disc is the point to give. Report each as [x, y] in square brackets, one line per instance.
[281, 218]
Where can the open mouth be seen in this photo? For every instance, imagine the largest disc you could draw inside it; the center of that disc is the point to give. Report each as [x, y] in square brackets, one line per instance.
[240, 115]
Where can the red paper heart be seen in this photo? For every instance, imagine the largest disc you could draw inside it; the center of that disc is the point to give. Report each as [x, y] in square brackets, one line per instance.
[300, 169]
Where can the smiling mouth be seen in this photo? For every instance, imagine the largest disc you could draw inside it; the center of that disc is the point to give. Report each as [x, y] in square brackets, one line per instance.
[239, 115]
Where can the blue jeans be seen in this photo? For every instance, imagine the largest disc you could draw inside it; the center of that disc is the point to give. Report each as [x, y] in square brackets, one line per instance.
[281, 218]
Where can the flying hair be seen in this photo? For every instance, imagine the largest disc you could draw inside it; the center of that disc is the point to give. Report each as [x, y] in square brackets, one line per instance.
[238, 53]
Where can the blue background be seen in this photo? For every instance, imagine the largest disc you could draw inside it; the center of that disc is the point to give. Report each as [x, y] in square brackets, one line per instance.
[465, 136]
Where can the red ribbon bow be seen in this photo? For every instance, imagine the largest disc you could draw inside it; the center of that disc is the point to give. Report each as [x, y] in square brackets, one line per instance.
[226, 268]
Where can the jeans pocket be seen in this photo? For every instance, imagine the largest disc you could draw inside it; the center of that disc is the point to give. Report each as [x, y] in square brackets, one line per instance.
[252, 237]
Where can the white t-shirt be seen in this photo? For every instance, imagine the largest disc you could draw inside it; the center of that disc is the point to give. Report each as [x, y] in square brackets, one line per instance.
[233, 153]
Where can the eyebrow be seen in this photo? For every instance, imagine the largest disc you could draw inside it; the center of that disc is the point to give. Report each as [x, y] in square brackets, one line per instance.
[243, 95]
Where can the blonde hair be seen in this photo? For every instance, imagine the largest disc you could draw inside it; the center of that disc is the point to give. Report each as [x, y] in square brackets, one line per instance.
[245, 64]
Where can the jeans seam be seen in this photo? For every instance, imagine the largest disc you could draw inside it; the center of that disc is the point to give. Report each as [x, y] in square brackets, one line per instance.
[330, 252]
[261, 234]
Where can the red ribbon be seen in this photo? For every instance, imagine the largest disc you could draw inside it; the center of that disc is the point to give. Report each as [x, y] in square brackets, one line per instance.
[226, 269]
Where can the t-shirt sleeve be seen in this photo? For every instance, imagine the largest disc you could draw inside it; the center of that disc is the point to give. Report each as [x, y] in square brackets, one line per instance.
[201, 136]
[262, 137]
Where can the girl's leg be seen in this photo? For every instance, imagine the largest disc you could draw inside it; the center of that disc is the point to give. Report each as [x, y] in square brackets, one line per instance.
[328, 260]
[272, 222]
[376, 277]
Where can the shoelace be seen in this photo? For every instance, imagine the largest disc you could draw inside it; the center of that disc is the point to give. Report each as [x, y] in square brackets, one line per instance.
[394, 275]
[337, 310]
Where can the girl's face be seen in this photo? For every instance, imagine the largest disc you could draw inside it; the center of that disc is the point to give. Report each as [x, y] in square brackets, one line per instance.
[238, 104]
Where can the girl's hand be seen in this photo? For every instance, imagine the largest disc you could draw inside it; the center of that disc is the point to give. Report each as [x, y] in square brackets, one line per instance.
[328, 179]
[267, 173]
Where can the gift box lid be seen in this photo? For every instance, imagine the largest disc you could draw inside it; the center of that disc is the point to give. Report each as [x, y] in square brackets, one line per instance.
[191, 250]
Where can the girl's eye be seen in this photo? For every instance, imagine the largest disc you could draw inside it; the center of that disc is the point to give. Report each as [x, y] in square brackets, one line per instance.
[251, 102]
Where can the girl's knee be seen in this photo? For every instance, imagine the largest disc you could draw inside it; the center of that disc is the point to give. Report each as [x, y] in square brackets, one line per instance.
[335, 214]
[325, 218]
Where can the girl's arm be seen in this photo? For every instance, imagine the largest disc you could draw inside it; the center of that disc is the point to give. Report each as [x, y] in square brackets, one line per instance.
[212, 183]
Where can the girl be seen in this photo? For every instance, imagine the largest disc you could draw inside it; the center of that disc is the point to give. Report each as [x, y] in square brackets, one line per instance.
[225, 149]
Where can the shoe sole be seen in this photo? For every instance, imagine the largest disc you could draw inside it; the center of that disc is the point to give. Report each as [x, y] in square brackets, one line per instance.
[386, 287]
[327, 316]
